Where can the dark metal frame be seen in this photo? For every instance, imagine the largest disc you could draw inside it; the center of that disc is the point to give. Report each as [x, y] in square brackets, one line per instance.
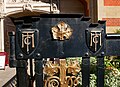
[61, 49]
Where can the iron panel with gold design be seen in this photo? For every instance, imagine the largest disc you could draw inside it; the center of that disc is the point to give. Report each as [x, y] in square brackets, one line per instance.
[52, 36]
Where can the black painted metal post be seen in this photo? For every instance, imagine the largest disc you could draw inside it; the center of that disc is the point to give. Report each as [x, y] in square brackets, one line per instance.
[31, 73]
[12, 58]
[39, 73]
[85, 71]
[100, 71]
[22, 76]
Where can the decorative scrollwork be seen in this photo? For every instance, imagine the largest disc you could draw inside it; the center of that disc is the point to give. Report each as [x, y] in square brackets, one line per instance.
[72, 81]
[52, 82]
[57, 74]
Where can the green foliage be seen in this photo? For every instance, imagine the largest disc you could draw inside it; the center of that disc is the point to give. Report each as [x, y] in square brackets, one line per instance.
[117, 31]
[93, 64]
[112, 73]
[112, 77]
[93, 70]
[93, 80]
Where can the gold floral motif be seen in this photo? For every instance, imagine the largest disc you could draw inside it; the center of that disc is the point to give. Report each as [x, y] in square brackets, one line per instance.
[61, 31]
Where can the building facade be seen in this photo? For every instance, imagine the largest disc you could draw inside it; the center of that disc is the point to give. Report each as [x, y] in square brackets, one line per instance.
[96, 9]
[109, 10]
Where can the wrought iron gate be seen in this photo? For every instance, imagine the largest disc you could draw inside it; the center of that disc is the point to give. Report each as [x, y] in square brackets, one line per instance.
[59, 36]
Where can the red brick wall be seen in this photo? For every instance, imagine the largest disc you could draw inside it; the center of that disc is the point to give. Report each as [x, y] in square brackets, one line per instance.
[112, 21]
[111, 2]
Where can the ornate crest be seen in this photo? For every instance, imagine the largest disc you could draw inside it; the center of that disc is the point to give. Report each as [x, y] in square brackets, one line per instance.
[61, 31]
[29, 39]
[94, 38]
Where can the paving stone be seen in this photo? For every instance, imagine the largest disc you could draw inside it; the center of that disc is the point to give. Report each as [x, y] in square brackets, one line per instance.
[6, 75]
